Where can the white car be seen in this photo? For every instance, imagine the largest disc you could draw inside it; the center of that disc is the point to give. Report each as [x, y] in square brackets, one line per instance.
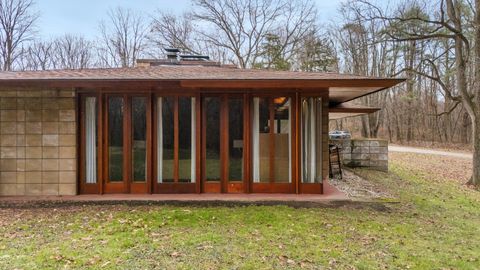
[339, 134]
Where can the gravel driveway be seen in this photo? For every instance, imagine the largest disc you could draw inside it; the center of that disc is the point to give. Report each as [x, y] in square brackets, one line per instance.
[408, 149]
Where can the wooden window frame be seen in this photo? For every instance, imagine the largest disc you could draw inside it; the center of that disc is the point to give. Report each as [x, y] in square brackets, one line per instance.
[246, 186]
[272, 186]
[127, 185]
[226, 185]
[313, 188]
[176, 186]
[84, 187]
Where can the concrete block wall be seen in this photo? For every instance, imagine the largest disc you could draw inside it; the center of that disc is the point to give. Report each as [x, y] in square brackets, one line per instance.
[368, 153]
[37, 142]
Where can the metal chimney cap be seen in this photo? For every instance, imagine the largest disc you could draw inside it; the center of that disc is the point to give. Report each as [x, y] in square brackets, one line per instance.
[194, 57]
[172, 50]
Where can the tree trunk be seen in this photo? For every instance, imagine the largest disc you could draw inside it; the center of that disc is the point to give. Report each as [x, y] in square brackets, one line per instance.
[365, 127]
[475, 180]
[410, 84]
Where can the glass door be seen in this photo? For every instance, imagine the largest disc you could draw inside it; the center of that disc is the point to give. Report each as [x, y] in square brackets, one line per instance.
[139, 151]
[127, 143]
[235, 144]
[223, 144]
[271, 131]
[115, 181]
[175, 144]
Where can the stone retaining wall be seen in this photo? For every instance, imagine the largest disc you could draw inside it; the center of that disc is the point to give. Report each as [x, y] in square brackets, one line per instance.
[368, 153]
[37, 142]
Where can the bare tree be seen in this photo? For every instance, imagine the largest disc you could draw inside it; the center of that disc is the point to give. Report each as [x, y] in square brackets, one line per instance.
[181, 32]
[37, 56]
[122, 37]
[172, 31]
[72, 52]
[17, 20]
[242, 26]
[363, 53]
[457, 23]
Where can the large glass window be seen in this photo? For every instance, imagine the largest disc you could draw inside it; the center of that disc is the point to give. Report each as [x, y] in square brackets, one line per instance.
[176, 148]
[186, 153]
[235, 139]
[165, 139]
[212, 138]
[282, 141]
[90, 140]
[311, 130]
[139, 138]
[115, 138]
[271, 140]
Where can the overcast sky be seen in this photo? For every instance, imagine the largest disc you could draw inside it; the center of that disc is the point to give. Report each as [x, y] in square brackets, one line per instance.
[82, 17]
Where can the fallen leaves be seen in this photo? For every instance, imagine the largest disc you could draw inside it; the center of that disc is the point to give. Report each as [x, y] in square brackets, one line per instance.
[175, 254]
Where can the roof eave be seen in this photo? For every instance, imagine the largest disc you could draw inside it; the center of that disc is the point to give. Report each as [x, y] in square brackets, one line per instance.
[205, 83]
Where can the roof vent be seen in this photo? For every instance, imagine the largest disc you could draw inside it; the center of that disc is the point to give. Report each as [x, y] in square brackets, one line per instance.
[172, 53]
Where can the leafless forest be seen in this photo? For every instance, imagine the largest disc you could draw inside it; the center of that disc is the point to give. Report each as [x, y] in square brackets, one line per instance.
[433, 44]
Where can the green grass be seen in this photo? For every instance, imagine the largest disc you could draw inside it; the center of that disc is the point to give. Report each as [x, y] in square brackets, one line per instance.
[433, 225]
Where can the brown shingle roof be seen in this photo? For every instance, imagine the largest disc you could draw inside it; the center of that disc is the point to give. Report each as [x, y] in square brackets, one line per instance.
[341, 87]
[171, 72]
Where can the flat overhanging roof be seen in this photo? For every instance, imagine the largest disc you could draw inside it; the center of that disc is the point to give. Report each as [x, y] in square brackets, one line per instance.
[342, 87]
[348, 110]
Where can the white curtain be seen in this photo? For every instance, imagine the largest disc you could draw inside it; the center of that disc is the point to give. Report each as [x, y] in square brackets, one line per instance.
[193, 142]
[304, 137]
[159, 140]
[256, 140]
[311, 123]
[312, 139]
[91, 140]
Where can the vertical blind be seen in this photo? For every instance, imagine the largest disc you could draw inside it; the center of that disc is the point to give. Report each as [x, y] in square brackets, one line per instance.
[91, 140]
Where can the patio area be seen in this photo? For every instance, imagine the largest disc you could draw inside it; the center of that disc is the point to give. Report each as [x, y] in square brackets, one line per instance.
[331, 194]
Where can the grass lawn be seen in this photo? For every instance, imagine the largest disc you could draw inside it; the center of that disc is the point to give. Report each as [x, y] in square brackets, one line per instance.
[434, 224]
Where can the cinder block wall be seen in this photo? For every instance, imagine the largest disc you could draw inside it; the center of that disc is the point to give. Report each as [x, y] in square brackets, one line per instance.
[37, 142]
[369, 153]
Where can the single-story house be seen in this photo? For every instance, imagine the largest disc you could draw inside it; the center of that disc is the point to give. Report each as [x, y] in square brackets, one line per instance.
[171, 126]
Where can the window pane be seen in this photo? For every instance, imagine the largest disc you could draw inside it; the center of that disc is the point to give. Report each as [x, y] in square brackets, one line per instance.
[235, 140]
[139, 140]
[264, 139]
[185, 139]
[212, 138]
[167, 139]
[281, 132]
[115, 138]
[90, 140]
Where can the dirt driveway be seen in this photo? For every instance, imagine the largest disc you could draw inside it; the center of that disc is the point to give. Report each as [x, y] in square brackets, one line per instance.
[416, 150]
